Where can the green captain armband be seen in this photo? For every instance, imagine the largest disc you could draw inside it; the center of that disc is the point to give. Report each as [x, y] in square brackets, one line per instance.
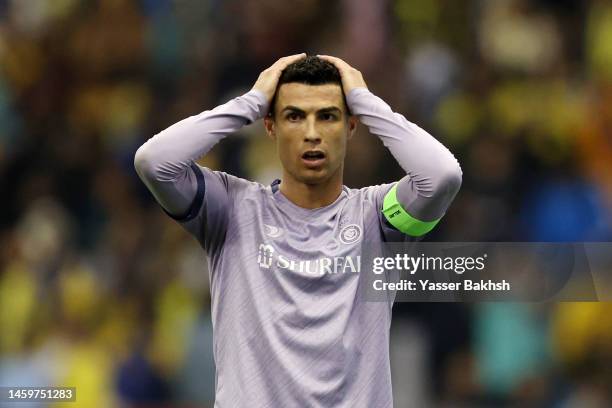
[401, 220]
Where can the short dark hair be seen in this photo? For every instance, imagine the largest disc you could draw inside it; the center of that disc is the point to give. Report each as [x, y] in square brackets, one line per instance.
[310, 70]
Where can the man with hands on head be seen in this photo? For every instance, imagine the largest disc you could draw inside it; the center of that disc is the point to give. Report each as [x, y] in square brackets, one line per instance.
[289, 327]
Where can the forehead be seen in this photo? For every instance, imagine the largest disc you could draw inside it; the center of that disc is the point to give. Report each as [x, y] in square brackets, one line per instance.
[310, 97]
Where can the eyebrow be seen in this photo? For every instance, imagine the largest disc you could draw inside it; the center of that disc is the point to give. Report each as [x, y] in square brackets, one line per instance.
[322, 110]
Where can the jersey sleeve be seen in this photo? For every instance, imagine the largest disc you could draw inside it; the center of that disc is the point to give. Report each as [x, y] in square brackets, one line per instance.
[390, 232]
[208, 216]
[416, 203]
[196, 197]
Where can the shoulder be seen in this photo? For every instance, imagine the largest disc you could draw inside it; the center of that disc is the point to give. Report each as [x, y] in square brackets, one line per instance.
[374, 194]
[233, 184]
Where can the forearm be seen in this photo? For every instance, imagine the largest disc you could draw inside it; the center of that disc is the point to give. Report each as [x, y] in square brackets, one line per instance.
[164, 161]
[433, 174]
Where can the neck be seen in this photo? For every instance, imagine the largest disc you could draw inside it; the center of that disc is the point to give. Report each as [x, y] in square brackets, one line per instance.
[311, 196]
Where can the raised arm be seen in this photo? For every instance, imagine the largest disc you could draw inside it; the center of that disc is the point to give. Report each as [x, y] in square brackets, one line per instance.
[433, 175]
[165, 162]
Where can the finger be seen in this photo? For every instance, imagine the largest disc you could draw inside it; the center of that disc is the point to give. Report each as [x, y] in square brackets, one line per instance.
[294, 56]
[284, 61]
[329, 57]
[339, 63]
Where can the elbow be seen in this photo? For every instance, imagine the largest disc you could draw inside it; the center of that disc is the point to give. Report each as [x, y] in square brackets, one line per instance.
[144, 163]
[451, 177]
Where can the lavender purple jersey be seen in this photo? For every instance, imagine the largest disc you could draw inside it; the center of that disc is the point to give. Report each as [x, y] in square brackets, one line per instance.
[290, 328]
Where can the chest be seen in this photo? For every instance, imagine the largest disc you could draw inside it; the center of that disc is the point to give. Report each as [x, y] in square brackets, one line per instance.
[330, 232]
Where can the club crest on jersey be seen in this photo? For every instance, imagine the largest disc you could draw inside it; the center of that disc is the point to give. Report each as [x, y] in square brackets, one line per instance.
[350, 234]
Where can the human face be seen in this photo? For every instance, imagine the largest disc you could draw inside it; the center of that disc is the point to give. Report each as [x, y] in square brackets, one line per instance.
[311, 128]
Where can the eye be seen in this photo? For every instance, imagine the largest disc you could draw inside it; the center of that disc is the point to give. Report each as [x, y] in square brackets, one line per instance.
[328, 117]
[293, 116]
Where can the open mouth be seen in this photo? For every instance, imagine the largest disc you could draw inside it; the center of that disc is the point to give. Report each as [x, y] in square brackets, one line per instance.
[313, 155]
[313, 158]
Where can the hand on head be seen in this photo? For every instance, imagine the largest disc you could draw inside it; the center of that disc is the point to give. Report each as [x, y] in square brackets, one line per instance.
[351, 77]
[268, 79]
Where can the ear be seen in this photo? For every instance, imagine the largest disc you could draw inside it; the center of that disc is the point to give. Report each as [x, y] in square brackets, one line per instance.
[352, 126]
[269, 125]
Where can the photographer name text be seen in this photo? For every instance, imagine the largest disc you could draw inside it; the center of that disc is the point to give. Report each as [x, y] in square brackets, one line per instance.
[429, 286]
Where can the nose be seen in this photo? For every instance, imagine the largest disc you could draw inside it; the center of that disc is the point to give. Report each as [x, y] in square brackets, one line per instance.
[311, 135]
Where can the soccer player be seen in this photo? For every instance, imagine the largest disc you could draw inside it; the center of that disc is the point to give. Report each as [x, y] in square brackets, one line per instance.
[289, 327]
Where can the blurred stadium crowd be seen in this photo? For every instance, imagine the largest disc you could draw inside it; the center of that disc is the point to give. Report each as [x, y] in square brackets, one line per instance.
[102, 291]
